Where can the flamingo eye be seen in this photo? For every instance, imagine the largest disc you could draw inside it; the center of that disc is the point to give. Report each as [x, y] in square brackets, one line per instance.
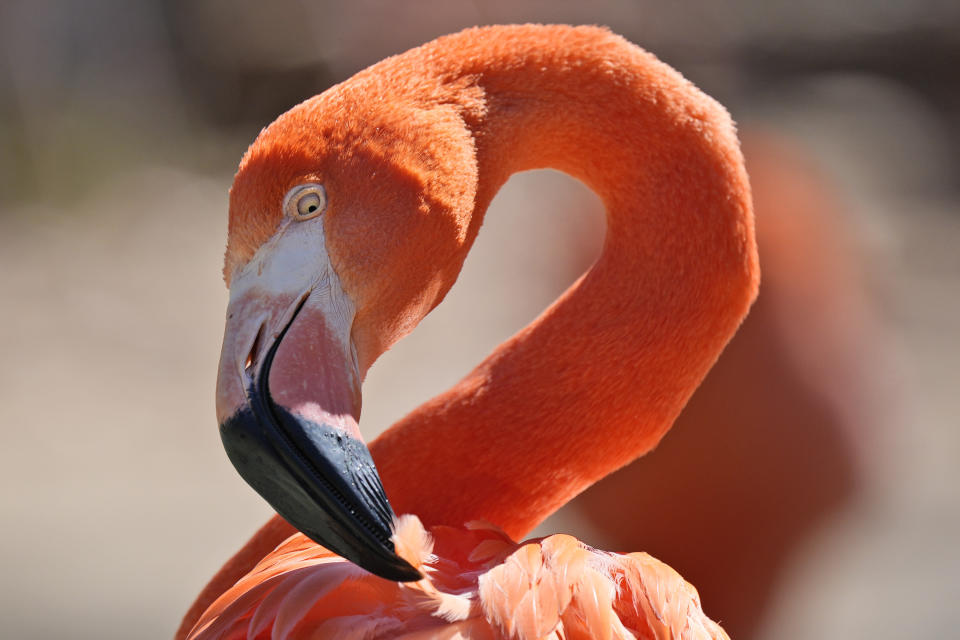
[305, 201]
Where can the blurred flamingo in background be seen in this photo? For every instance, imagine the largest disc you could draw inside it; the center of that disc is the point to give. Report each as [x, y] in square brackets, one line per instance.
[350, 219]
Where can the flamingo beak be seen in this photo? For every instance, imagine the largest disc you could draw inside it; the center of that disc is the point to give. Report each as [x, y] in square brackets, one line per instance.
[288, 399]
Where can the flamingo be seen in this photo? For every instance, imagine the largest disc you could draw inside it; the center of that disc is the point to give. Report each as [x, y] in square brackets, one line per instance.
[350, 218]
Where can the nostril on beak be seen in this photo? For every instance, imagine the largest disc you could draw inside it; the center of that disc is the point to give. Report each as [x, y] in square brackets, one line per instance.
[254, 349]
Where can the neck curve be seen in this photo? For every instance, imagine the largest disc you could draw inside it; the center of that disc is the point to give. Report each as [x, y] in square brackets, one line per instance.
[599, 377]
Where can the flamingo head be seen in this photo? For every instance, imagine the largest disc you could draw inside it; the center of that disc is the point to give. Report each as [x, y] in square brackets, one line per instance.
[349, 221]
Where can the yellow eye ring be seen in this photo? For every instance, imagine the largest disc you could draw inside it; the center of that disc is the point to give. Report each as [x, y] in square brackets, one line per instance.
[305, 201]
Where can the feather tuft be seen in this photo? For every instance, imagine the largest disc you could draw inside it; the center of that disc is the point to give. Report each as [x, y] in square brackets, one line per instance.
[412, 542]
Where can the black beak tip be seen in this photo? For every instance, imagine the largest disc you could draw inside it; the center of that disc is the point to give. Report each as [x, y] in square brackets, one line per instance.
[399, 571]
[321, 482]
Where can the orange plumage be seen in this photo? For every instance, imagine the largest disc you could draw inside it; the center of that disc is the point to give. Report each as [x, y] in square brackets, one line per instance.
[480, 584]
[410, 152]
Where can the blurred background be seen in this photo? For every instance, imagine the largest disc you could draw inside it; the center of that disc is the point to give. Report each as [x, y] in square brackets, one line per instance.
[811, 488]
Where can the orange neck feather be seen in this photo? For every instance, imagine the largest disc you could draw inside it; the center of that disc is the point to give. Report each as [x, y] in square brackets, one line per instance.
[600, 376]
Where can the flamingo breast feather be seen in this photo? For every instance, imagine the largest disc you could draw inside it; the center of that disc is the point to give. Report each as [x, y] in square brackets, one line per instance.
[479, 584]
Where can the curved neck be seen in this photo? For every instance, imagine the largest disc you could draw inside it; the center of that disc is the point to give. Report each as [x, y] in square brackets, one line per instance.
[600, 376]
